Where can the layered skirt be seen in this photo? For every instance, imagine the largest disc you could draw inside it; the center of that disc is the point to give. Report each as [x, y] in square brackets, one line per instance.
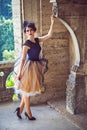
[32, 77]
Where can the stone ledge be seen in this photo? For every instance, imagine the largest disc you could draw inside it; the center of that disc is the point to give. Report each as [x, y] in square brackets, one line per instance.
[6, 64]
[6, 95]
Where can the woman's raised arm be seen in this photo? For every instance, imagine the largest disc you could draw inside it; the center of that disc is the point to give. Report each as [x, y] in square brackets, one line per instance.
[50, 32]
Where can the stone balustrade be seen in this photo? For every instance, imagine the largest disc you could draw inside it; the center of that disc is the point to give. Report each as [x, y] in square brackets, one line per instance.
[5, 93]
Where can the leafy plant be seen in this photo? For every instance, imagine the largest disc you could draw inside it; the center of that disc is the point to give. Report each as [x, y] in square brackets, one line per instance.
[6, 35]
[10, 81]
[8, 55]
[10, 84]
[15, 97]
[1, 73]
[6, 27]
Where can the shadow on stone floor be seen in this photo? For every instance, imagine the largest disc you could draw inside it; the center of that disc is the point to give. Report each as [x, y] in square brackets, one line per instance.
[78, 119]
[47, 118]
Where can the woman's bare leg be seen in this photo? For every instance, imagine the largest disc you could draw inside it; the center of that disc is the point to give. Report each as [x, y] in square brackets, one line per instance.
[22, 105]
[27, 106]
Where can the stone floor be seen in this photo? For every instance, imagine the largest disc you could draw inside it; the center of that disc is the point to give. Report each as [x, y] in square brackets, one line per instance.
[47, 119]
[79, 120]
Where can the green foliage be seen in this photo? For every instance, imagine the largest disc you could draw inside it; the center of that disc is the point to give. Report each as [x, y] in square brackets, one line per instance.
[10, 81]
[10, 84]
[6, 35]
[6, 8]
[1, 73]
[15, 97]
[6, 27]
[8, 55]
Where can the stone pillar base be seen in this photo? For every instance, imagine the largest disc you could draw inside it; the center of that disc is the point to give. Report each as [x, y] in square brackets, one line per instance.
[76, 99]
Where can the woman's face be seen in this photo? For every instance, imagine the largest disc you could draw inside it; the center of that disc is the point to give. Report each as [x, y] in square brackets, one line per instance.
[30, 32]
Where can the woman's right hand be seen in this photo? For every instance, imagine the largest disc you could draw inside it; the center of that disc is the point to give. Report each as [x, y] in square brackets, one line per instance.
[19, 76]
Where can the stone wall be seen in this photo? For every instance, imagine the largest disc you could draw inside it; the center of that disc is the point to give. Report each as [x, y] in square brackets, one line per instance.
[5, 94]
[56, 50]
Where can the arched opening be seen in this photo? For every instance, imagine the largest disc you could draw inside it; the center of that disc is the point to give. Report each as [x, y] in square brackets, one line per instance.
[73, 97]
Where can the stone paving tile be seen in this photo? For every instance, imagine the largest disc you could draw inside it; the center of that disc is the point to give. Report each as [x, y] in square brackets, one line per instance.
[79, 120]
[47, 119]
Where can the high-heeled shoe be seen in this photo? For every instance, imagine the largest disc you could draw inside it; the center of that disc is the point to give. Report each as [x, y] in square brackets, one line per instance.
[18, 113]
[32, 118]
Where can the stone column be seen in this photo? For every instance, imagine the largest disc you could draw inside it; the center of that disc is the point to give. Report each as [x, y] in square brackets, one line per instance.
[16, 10]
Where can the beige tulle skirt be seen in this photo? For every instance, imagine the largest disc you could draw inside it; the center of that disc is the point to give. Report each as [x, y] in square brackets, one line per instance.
[32, 78]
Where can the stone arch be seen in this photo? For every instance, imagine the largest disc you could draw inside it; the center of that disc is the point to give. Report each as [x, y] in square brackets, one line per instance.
[74, 42]
[74, 64]
[72, 76]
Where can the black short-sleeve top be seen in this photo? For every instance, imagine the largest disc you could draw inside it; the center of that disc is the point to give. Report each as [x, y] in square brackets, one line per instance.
[34, 51]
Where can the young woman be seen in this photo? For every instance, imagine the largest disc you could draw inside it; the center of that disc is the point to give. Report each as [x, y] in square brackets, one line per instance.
[30, 71]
